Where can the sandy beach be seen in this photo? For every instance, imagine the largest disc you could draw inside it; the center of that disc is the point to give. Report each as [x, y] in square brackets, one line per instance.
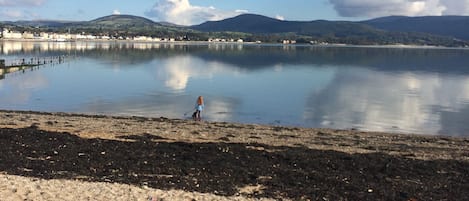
[62, 156]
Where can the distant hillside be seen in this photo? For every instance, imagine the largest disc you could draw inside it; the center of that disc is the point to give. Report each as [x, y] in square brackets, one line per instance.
[169, 24]
[112, 25]
[107, 23]
[41, 23]
[123, 25]
[322, 30]
[453, 26]
[250, 23]
[115, 21]
[440, 31]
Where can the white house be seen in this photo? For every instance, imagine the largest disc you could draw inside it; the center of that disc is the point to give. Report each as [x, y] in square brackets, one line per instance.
[7, 34]
[289, 41]
[27, 35]
[141, 38]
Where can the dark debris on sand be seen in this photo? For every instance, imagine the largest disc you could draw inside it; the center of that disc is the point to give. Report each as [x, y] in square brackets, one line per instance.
[223, 168]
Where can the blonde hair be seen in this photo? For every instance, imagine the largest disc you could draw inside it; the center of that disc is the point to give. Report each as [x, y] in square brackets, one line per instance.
[200, 100]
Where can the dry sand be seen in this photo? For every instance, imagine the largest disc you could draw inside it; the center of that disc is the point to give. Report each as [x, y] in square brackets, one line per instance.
[60, 156]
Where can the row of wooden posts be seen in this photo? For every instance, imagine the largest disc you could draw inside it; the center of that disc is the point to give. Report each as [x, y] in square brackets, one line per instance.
[36, 61]
[23, 64]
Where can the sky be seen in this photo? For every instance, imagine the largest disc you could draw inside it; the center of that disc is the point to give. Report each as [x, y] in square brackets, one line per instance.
[191, 12]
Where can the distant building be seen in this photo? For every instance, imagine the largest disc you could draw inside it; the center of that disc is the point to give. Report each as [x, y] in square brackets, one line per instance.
[44, 36]
[289, 41]
[27, 35]
[141, 38]
[7, 34]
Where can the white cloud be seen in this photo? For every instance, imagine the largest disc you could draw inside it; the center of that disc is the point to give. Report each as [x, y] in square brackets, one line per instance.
[21, 2]
[183, 13]
[116, 12]
[11, 14]
[15, 14]
[279, 17]
[241, 11]
[373, 8]
[456, 7]
[9, 9]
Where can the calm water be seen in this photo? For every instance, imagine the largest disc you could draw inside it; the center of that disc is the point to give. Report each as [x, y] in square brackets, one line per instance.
[381, 89]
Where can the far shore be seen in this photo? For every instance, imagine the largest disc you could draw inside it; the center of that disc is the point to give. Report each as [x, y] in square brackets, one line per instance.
[67, 156]
[405, 46]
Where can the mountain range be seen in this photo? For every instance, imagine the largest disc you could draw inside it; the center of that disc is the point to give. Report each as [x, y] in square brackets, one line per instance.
[433, 30]
[453, 26]
[258, 24]
[106, 21]
[448, 26]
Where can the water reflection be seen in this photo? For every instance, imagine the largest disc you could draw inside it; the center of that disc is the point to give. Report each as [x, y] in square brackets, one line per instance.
[405, 102]
[18, 91]
[380, 89]
[260, 56]
[177, 70]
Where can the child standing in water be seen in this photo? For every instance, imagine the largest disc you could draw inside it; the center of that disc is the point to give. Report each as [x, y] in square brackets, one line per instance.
[199, 106]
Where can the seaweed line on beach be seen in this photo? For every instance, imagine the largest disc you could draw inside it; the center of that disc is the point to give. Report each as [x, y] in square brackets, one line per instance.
[233, 159]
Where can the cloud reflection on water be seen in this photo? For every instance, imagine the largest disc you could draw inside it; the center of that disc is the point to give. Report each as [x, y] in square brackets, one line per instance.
[380, 89]
[400, 102]
[18, 90]
[176, 71]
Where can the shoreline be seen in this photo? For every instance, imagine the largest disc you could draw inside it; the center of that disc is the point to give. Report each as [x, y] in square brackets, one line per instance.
[92, 125]
[392, 46]
[221, 160]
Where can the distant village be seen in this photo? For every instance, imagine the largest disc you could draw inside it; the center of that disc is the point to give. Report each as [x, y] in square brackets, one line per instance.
[7, 34]
[13, 35]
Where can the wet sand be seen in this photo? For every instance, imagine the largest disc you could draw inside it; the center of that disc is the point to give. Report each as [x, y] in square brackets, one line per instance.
[61, 156]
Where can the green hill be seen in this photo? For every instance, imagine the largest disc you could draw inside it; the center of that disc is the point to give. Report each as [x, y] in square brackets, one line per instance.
[119, 21]
[124, 25]
[258, 24]
[451, 26]
[441, 31]
[322, 30]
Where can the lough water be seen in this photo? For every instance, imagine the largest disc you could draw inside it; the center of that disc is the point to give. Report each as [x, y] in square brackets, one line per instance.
[404, 90]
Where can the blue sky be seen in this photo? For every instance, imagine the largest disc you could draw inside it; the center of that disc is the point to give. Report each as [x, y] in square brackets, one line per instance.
[188, 12]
